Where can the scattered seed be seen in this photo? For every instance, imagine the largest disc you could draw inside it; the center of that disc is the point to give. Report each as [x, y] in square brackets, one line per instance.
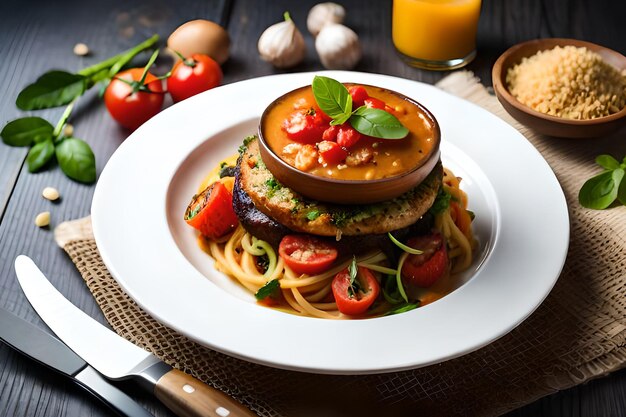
[42, 219]
[50, 193]
[81, 49]
[68, 130]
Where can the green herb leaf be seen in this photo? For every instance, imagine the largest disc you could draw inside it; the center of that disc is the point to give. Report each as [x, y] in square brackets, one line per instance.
[25, 131]
[333, 98]
[390, 290]
[353, 270]
[377, 123]
[621, 193]
[600, 191]
[269, 289]
[403, 308]
[53, 89]
[312, 215]
[39, 155]
[607, 162]
[442, 202]
[77, 160]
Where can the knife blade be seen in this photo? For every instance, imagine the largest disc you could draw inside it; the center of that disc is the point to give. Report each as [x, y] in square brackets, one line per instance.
[46, 349]
[117, 358]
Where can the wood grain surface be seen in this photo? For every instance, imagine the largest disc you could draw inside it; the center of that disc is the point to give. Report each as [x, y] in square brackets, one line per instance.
[36, 36]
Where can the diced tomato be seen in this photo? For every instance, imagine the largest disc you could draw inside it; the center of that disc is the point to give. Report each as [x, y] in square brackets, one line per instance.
[306, 254]
[347, 136]
[305, 126]
[331, 133]
[374, 103]
[357, 299]
[331, 152]
[359, 94]
[425, 269]
[211, 212]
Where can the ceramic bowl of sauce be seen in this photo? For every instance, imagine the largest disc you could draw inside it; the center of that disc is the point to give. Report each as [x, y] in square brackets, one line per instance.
[368, 171]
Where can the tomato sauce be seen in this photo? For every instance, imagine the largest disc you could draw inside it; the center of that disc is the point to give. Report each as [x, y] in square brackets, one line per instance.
[368, 159]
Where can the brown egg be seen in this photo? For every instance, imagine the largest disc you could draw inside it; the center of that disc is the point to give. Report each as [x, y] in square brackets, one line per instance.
[200, 37]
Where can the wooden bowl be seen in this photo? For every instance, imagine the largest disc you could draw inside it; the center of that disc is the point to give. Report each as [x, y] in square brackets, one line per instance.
[543, 123]
[349, 191]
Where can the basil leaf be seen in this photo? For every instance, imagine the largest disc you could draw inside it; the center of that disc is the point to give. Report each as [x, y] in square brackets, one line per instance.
[403, 308]
[333, 98]
[607, 162]
[25, 131]
[39, 155]
[267, 290]
[377, 123]
[53, 89]
[600, 191]
[77, 160]
[621, 192]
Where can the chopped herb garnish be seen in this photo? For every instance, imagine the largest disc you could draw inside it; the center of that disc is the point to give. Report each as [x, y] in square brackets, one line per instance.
[312, 215]
[442, 202]
[269, 289]
[353, 271]
[246, 142]
[272, 186]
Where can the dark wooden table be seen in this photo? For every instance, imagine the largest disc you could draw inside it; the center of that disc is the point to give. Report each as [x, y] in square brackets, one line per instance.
[39, 35]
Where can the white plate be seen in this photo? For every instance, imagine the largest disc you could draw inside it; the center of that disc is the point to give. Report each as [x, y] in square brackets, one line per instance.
[521, 222]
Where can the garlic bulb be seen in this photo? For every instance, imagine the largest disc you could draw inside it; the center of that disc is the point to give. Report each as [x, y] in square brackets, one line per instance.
[338, 47]
[322, 14]
[282, 44]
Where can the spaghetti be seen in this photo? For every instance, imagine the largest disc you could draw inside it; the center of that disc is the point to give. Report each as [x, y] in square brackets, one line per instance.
[239, 254]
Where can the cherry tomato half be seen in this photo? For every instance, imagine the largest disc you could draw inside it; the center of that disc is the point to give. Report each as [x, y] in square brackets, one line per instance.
[374, 103]
[353, 302]
[425, 269]
[193, 75]
[211, 212]
[307, 254]
[132, 108]
[305, 126]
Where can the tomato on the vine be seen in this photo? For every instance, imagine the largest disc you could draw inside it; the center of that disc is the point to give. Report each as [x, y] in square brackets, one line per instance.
[193, 75]
[130, 100]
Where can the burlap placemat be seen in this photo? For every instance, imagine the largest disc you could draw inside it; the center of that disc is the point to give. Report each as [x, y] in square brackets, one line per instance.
[578, 333]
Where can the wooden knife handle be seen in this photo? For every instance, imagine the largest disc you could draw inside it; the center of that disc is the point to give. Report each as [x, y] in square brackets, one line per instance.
[188, 397]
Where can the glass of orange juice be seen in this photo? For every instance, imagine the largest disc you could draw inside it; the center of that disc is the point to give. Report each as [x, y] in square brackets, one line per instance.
[435, 34]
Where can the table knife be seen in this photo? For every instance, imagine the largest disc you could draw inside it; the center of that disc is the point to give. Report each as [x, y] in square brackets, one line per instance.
[117, 358]
[48, 350]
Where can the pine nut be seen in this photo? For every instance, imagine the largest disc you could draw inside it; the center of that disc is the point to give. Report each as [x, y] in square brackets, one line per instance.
[42, 219]
[50, 193]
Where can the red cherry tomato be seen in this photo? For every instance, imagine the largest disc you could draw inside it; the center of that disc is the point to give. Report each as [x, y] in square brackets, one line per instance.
[425, 269]
[193, 75]
[307, 254]
[331, 133]
[132, 108]
[374, 103]
[305, 126]
[347, 136]
[211, 212]
[358, 94]
[355, 302]
[331, 152]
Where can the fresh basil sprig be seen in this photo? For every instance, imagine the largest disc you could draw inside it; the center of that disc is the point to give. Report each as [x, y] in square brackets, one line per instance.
[268, 290]
[600, 191]
[54, 89]
[334, 99]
